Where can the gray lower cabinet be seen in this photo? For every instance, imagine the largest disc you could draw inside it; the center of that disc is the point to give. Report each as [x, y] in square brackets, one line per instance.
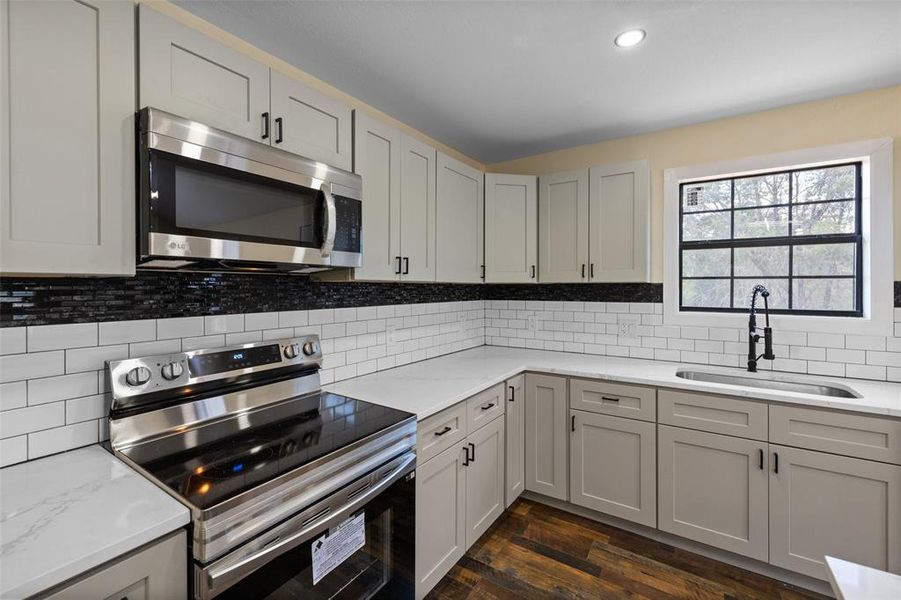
[156, 572]
[825, 504]
[441, 525]
[514, 433]
[484, 479]
[713, 489]
[613, 466]
[547, 435]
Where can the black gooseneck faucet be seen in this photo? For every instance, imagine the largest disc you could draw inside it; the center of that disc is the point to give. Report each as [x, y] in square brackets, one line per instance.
[753, 337]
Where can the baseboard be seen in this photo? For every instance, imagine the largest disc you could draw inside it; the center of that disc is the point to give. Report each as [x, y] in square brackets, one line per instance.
[736, 560]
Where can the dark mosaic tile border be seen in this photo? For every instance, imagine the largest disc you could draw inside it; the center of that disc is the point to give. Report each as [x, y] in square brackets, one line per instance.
[156, 295]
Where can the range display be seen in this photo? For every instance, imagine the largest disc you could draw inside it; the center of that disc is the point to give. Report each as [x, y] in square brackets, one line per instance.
[230, 360]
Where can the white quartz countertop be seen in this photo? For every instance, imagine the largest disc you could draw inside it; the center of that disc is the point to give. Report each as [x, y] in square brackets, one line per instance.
[427, 387]
[65, 514]
[851, 581]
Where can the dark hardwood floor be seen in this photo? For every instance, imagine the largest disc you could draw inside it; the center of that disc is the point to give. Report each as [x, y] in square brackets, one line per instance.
[535, 551]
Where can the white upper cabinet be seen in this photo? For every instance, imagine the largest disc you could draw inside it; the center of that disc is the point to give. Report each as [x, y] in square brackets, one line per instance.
[460, 210]
[193, 76]
[511, 228]
[377, 161]
[187, 73]
[618, 222]
[563, 227]
[417, 215]
[67, 138]
[309, 123]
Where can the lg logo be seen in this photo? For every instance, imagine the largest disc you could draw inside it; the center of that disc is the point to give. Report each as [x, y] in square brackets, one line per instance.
[183, 246]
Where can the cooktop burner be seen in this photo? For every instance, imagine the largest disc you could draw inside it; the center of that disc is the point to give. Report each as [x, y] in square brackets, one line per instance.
[218, 461]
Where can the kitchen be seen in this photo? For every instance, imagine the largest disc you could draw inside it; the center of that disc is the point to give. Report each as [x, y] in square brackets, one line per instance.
[335, 300]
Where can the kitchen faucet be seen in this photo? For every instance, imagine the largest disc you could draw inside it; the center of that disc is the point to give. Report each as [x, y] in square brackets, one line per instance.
[753, 337]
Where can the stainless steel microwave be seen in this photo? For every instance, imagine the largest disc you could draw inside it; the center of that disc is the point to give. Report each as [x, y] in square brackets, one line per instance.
[208, 199]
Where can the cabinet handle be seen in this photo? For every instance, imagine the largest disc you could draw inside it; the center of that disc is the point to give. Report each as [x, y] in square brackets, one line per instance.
[583, 270]
[265, 116]
[446, 429]
[775, 462]
[591, 270]
[573, 423]
[473, 446]
[533, 271]
[483, 272]
[406, 266]
[466, 459]
[488, 406]
[398, 265]
[512, 394]
[760, 458]
[279, 127]
[609, 399]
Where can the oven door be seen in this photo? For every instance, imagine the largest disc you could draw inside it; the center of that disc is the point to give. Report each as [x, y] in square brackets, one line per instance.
[279, 563]
[218, 206]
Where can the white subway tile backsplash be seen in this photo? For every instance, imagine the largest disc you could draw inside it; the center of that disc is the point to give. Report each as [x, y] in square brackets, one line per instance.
[204, 341]
[151, 348]
[122, 332]
[12, 340]
[865, 342]
[93, 359]
[263, 320]
[244, 337]
[808, 353]
[215, 324]
[13, 395]
[293, 318]
[180, 327]
[886, 359]
[826, 340]
[866, 372]
[14, 367]
[60, 337]
[51, 441]
[846, 356]
[20, 421]
[13, 450]
[87, 408]
[53, 389]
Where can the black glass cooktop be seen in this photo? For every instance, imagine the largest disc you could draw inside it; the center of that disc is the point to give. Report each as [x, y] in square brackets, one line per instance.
[211, 464]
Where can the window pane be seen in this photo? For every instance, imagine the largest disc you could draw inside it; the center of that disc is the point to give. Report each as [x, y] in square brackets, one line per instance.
[707, 293]
[706, 226]
[823, 294]
[761, 191]
[707, 195]
[761, 222]
[706, 263]
[766, 260]
[824, 259]
[816, 219]
[778, 289]
[832, 183]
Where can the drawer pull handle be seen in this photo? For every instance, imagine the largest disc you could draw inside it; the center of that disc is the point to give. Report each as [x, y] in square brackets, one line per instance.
[775, 462]
[488, 406]
[466, 459]
[573, 423]
[446, 429]
[609, 399]
[512, 394]
[473, 447]
[760, 458]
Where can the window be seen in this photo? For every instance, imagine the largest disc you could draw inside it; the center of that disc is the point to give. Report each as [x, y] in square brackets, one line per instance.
[798, 232]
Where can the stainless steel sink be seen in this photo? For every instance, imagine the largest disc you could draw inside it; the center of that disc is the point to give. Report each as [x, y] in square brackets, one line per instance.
[818, 389]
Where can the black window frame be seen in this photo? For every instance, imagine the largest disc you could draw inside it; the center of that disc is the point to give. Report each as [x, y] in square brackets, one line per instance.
[788, 240]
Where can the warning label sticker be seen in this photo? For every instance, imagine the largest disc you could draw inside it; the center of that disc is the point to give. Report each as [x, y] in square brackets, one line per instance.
[334, 548]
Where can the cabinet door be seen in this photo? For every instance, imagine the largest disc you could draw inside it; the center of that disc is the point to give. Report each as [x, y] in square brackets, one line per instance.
[67, 138]
[514, 433]
[377, 160]
[563, 227]
[417, 210]
[619, 219]
[613, 466]
[441, 517]
[459, 236]
[511, 228]
[484, 479]
[308, 122]
[713, 489]
[186, 73]
[547, 435]
[823, 504]
[155, 572]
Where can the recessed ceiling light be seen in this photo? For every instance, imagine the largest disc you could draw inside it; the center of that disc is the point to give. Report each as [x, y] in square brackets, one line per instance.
[630, 38]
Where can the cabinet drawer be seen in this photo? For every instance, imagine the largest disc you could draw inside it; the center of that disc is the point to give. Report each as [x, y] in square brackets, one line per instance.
[621, 400]
[485, 406]
[860, 436]
[440, 431]
[717, 414]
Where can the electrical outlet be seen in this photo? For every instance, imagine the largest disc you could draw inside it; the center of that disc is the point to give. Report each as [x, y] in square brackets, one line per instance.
[532, 323]
[627, 326]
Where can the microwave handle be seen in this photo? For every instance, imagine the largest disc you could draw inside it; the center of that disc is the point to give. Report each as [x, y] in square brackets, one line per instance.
[330, 227]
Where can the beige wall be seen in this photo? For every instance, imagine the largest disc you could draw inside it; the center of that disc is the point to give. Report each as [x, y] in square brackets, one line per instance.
[278, 64]
[855, 117]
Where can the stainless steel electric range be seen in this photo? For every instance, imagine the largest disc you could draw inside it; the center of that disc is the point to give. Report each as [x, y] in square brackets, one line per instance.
[294, 492]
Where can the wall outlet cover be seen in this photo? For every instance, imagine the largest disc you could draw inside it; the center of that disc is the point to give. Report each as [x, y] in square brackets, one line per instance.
[627, 326]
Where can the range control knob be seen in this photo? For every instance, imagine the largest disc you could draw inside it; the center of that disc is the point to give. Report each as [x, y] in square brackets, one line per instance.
[172, 371]
[137, 376]
[291, 351]
[309, 348]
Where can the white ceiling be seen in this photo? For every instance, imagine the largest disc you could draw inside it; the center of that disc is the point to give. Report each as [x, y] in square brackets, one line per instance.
[501, 80]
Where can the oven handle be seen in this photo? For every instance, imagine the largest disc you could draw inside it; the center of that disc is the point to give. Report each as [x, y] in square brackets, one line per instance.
[224, 575]
[331, 221]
